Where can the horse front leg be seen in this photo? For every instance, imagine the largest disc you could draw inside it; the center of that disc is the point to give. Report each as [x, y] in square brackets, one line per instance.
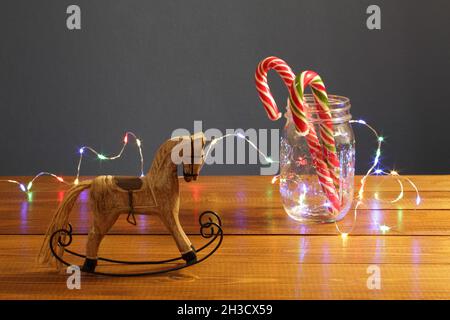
[172, 223]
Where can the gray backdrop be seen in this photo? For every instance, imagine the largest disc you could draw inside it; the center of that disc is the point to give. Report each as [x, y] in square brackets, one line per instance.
[153, 66]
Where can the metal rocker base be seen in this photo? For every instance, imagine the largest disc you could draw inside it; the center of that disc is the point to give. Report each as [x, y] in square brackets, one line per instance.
[206, 224]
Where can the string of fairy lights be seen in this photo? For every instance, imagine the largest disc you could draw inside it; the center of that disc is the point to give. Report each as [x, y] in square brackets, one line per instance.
[101, 156]
[374, 169]
[27, 187]
[240, 136]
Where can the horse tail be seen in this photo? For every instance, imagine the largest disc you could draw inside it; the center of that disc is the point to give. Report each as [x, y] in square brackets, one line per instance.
[60, 220]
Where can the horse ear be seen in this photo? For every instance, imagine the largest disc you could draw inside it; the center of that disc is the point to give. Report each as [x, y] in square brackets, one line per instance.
[199, 135]
[178, 148]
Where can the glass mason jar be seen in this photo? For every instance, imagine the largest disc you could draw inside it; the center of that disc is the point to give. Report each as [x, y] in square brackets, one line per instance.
[301, 193]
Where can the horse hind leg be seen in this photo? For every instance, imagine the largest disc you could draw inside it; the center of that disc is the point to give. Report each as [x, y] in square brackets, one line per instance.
[102, 224]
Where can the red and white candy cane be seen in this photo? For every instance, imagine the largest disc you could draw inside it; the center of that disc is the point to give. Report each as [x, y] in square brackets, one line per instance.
[284, 71]
[299, 118]
[312, 79]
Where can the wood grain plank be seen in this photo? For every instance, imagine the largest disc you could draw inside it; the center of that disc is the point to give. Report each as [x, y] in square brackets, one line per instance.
[374, 183]
[253, 207]
[248, 221]
[242, 191]
[247, 267]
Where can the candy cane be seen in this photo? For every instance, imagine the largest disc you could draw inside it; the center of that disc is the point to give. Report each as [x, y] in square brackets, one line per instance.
[284, 71]
[312, 79]
[299, 118]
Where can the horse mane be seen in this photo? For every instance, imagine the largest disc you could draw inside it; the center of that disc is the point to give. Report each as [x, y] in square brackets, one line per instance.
[163, 151]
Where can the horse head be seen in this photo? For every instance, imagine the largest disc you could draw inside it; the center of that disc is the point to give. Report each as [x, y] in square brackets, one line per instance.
[190, 150]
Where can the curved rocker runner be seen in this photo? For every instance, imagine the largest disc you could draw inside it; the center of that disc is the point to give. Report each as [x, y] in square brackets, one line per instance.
[156, 193]
[215, 233]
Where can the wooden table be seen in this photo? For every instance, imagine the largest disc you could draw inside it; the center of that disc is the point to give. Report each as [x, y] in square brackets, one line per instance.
[265, 254]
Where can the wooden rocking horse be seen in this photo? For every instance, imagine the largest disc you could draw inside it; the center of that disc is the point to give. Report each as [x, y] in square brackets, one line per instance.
[110, 197]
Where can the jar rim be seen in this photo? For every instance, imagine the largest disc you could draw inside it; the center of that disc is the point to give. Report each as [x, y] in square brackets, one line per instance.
[339, 109]
[336, 103]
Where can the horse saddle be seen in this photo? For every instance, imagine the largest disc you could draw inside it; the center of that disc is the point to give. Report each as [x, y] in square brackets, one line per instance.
[129, 184]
